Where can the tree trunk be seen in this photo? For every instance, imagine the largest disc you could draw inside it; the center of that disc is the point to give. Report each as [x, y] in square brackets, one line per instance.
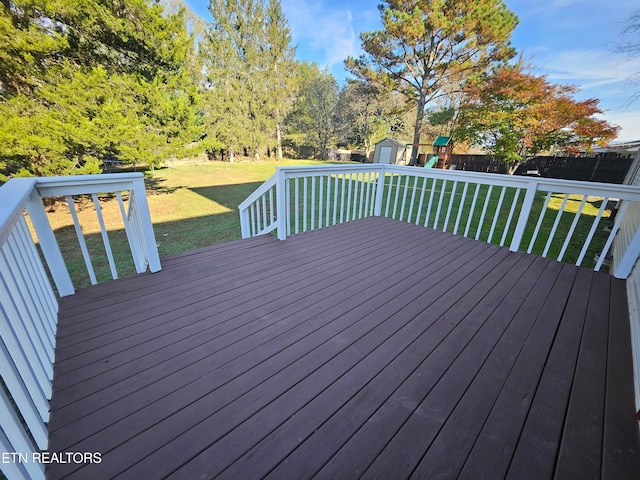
[323, 146]
[512, 167]
[279, 142]
[231, 155]
[418, 126]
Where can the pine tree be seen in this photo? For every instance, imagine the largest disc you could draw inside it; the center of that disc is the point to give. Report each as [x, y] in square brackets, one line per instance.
[279, 58]
[85, 79]
[427, 45]
[247, 63]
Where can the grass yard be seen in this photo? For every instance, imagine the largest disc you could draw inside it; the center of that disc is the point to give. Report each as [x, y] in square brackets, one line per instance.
[194, 206]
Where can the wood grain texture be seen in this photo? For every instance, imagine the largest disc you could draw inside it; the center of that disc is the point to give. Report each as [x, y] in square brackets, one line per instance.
[371, 349]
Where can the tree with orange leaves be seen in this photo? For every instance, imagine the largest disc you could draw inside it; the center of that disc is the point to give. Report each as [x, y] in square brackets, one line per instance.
[517, 115]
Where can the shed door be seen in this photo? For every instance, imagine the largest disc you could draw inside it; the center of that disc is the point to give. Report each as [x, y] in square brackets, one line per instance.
[385, 155]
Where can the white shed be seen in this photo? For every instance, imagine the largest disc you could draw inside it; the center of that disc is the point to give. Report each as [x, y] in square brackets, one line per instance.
[391, 151]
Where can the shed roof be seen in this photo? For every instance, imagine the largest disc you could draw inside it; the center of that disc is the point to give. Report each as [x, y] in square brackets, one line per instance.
[393, 142]
[442, 141]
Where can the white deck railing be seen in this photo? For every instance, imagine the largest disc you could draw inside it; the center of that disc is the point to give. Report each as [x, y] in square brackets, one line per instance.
[28, 302]
[523, 213]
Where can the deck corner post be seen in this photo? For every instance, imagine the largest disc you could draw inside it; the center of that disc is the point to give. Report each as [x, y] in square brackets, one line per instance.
[147, 226]
[377, 210]
[281, 199]
[245, 230]
[629, 258]
[525, 211]
[49, 245]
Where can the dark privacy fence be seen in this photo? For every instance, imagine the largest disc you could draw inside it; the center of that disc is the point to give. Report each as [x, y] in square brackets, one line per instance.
[606, 167]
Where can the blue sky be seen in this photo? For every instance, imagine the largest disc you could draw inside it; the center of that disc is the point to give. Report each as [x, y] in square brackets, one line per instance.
[570, 41]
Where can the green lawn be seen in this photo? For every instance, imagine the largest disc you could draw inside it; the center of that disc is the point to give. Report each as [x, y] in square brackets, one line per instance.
[191, 206]
[194, 206]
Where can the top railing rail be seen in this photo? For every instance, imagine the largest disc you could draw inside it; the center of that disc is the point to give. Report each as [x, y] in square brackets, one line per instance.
[14, 196]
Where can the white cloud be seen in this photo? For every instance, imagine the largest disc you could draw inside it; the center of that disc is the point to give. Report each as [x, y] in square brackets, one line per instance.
[587, 68]
[597, 74]
[327, 34]
[629, 123]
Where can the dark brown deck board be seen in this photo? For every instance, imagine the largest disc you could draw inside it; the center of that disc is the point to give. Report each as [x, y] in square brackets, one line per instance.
[372, 348]
[386, 332]
[244, 295]
[432, 412]
[494, 446]
[243, 265]
[128, 401]
[279, 372]
[328, 283]
[503, 334]
[220, 289]
[621, 444]
[581, 447]
[349, 418]
[535, 454]
[216, 278]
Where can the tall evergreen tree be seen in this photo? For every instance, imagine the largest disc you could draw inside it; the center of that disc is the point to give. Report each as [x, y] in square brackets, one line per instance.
[228, 54]
[426, 45]
[86, 79]
[279, 57]
[247, 62]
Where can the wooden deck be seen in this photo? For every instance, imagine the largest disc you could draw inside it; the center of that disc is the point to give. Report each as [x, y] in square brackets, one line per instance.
[371, 349]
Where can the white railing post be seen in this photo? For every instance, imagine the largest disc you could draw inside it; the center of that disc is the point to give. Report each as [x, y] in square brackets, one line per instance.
[525, 211]
[281, 202]
[244, 223]
[49, 245]
[147, 226]
[130, 231]
[629, 258]
[377, 209]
